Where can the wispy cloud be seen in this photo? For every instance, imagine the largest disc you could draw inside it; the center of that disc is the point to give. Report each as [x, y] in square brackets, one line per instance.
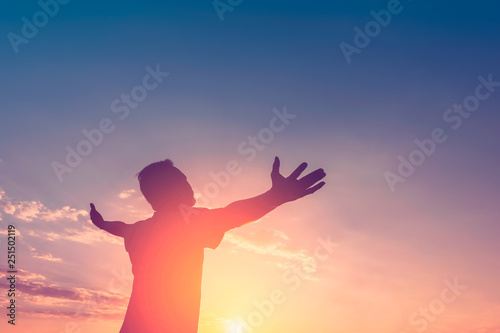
[29, 211]
[126, 194]
[43, 298]
[45, 295]
[23, 275]
[210, 317]
[85, 235]
[43, 256]
[276, 244]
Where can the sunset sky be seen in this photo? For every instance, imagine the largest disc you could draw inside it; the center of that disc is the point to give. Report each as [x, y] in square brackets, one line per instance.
[264, 79]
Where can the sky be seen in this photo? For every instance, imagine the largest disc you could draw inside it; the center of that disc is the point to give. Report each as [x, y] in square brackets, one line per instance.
[397, 101]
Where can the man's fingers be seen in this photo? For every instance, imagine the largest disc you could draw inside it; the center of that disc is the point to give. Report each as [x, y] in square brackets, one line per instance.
[314, 188]
[276, 165]
[312, 178]
[296, 173]
[95, 216]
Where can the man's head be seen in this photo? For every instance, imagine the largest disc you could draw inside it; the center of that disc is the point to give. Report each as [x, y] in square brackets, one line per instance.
[165, 186]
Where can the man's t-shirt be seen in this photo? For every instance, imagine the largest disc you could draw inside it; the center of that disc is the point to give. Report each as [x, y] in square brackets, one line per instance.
[167, 254]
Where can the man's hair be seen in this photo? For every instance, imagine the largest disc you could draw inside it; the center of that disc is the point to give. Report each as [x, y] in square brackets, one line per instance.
[158, 181]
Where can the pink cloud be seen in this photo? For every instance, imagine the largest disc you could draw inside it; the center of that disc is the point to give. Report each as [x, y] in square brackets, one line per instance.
[38, 255]
[43, 299]
[86, 235]
[276, 245]
[126, 194]
[35, 210]
[23, 275]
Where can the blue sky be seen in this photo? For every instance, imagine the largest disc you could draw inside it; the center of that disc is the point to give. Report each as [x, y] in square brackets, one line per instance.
[263, 55]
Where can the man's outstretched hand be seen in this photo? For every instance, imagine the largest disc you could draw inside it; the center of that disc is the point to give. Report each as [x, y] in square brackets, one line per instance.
[95, 216]
[291, 188]
[116, 228]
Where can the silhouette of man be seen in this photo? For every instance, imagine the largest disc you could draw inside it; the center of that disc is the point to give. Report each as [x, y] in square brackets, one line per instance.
[167, 250]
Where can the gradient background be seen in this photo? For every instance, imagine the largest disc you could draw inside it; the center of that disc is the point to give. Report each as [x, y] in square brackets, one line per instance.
[395, 250]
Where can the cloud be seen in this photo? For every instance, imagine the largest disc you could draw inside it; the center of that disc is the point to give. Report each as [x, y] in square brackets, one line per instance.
[29, 211]
[262, 242]
[276, 244]
[39, 288]
[23, 275]
[35, 210]
[86, 235]
[41, 298]
[211, 317]
[126, 194]
[72, 315]
[2, 194]
[48, 257]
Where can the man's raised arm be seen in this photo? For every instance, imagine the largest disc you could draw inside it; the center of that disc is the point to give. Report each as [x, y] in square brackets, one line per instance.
[284, 189]
[116, 228]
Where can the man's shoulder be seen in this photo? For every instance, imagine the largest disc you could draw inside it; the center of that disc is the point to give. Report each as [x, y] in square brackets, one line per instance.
[133, 227]
[133, 232]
